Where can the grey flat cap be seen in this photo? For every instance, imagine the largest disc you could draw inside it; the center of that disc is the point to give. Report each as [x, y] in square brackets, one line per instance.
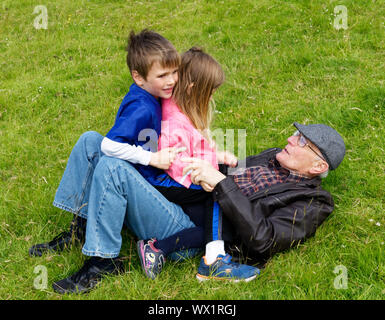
[327, 140]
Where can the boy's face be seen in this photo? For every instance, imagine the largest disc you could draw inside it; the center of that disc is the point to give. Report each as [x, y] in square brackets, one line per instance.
[160, 81]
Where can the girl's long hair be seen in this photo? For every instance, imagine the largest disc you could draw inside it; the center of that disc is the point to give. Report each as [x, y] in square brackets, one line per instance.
[199, 76]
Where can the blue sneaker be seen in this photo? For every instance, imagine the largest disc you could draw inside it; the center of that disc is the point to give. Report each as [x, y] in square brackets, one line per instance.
[224, 269]
[151, 258]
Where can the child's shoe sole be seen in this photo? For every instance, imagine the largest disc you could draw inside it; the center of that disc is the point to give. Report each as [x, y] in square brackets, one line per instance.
[202, 278]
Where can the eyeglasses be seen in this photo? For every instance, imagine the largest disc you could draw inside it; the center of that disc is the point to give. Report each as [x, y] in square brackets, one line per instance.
[302, 142]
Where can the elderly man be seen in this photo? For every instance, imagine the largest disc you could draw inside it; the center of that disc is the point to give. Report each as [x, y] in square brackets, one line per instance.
[275, 202]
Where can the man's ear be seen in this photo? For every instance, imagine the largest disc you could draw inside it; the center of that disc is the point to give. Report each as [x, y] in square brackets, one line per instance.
[139, 80]
[320, 166]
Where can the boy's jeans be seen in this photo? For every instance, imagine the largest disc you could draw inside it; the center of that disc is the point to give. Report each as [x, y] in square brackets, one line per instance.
[109, 192]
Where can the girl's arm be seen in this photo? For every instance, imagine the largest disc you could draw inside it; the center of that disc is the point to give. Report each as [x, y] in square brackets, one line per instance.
[181, 140]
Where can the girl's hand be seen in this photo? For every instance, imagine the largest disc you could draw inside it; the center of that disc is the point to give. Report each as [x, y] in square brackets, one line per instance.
[227, 158]
[164, 158]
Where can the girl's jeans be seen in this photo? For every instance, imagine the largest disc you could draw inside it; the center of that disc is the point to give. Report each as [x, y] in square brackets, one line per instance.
[110, 192]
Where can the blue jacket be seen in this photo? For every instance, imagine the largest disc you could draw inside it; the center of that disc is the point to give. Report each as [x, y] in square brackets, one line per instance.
[138, 122]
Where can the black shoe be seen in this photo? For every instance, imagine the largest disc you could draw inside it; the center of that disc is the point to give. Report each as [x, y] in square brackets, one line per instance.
[89, 275]
[76, 235]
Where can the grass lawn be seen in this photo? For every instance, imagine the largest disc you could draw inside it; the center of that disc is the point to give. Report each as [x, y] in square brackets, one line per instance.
[284, 62]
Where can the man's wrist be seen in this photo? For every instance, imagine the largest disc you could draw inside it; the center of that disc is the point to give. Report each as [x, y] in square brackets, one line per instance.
[218, 178]
[225, 186]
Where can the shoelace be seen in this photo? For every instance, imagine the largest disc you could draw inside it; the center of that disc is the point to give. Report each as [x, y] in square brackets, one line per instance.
[227, 259]
[60, 235]
[83, 271]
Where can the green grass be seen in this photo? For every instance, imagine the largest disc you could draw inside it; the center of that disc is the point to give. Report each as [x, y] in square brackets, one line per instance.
[284, 62]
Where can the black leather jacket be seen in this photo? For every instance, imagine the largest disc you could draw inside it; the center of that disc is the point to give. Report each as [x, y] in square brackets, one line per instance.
[273, 219]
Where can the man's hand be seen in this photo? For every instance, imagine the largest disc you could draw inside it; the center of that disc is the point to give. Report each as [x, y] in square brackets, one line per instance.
[164, 158]
[227, 158]
[203, 173]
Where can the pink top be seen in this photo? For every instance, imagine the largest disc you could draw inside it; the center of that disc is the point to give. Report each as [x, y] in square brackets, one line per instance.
[178, 131]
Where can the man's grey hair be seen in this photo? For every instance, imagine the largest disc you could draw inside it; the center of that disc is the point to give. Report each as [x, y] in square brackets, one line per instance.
[323, 175]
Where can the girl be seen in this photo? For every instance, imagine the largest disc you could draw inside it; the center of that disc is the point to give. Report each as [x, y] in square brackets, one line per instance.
[186, 119]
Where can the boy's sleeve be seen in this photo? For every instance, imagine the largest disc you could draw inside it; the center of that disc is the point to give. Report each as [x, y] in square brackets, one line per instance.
[125, 151]
[129, 123]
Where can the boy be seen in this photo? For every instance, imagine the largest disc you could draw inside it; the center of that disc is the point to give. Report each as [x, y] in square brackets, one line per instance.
[153, 63]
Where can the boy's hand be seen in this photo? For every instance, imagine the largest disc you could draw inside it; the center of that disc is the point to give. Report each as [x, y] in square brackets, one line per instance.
[227, 158]
[164, 158]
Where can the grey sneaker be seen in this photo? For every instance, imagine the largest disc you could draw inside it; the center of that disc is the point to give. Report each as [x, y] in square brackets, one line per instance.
[151, 258]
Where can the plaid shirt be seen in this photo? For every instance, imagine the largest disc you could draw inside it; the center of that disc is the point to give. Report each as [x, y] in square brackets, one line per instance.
[253, 179]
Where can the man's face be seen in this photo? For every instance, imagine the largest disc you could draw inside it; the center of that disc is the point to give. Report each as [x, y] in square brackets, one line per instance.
[300, 159]
[160, 81]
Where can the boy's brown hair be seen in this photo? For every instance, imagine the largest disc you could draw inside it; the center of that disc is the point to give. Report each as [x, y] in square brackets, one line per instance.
[148, 47]
[199, 76]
